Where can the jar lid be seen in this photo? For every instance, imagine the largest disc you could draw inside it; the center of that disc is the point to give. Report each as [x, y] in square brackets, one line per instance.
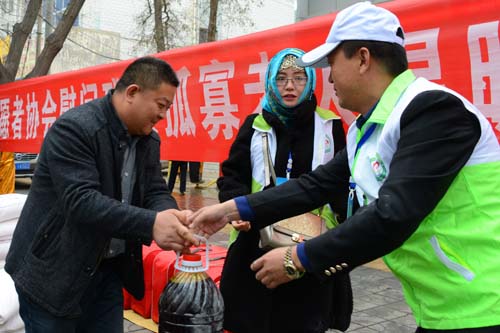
[191, 260]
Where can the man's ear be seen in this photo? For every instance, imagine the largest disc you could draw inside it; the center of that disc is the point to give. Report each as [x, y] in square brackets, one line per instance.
[364, 59]
[131, 91]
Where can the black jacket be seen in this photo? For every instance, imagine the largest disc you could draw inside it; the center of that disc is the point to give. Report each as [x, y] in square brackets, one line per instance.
[74, 208]
[304, 305]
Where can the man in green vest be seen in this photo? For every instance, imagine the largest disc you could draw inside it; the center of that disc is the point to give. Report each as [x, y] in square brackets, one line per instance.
[423, 164]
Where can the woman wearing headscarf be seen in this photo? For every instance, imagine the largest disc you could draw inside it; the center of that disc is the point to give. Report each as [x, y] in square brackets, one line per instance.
[300, 136]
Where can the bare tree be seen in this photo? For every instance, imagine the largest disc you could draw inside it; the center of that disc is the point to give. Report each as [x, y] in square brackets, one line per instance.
[176, 28]
[53, 43]
[230, 13]
[162, 24]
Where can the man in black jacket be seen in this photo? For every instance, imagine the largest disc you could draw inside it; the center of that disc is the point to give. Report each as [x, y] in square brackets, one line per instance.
[97, 196]
[423, 163]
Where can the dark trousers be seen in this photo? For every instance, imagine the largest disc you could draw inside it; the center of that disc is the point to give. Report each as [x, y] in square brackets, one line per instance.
[174, 167]
[194, 172]
[102, 307]
[489, 329]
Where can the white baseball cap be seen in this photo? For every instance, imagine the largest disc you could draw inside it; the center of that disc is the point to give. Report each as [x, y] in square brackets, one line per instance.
[361, 21]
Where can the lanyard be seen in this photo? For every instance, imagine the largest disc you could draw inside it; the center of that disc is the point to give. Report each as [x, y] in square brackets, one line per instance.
[289, 164]
[352, 183]
[350, 197]
[281, 180]
[365, 137]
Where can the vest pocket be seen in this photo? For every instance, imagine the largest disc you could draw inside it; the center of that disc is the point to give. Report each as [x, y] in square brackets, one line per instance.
[443, 257]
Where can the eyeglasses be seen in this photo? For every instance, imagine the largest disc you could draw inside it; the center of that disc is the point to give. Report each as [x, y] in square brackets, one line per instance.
[282, 81]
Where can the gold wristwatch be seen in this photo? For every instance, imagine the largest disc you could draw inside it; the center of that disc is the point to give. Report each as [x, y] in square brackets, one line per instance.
[290, 269]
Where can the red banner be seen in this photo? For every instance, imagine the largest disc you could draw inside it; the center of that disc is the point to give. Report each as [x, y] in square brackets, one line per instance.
[451, 42]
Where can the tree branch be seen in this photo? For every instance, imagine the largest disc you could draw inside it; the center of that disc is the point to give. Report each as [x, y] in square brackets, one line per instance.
[55, 41]
[19, 36]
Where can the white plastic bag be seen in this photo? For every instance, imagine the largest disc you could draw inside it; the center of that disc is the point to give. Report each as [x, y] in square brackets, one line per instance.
[7, 229]
[4, 248]
[10, 321]
[11, 205]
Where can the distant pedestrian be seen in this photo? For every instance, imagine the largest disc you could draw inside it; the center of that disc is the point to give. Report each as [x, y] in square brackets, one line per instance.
[172, 175]
[195, 172]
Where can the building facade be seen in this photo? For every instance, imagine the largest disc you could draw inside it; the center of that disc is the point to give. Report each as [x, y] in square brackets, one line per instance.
[310, 8]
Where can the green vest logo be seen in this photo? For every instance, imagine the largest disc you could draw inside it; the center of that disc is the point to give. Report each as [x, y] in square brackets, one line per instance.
[378, 167]
[328, 144]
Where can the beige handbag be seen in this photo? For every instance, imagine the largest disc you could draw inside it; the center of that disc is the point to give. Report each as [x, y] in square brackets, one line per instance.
[292, 230]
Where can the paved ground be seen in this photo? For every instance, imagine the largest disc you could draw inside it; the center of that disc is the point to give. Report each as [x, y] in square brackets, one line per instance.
[378, 301]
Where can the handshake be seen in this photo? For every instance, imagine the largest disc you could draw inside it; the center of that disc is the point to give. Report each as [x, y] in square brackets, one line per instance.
[176, 229]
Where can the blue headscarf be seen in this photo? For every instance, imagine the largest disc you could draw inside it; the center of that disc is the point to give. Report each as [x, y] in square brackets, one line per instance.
[273, 102]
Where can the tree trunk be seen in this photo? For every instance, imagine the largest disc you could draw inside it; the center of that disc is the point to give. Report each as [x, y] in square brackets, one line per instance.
[159, 33]
[212, 22]
[55, 41]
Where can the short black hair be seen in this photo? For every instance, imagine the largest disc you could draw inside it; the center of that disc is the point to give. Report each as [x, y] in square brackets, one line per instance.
[391, 55]
[147, 73]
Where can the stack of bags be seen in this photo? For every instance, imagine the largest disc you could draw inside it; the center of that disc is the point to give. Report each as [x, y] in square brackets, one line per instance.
[10, 209]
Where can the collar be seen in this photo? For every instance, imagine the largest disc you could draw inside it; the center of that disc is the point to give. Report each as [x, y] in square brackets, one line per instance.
[118, 127]
[361, 120]
[384, 106]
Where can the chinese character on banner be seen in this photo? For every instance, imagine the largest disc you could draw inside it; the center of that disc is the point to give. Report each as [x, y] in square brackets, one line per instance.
[423, 53]
[485, 73]
[68, 98]
[217, 107]
[88, 92]
[18, 114]
[48, 112]
[258, 87]
[179, 119]
[33, 119]
[4, 118]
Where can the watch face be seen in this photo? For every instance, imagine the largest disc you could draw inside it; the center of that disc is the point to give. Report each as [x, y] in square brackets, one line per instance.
[290, 270]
